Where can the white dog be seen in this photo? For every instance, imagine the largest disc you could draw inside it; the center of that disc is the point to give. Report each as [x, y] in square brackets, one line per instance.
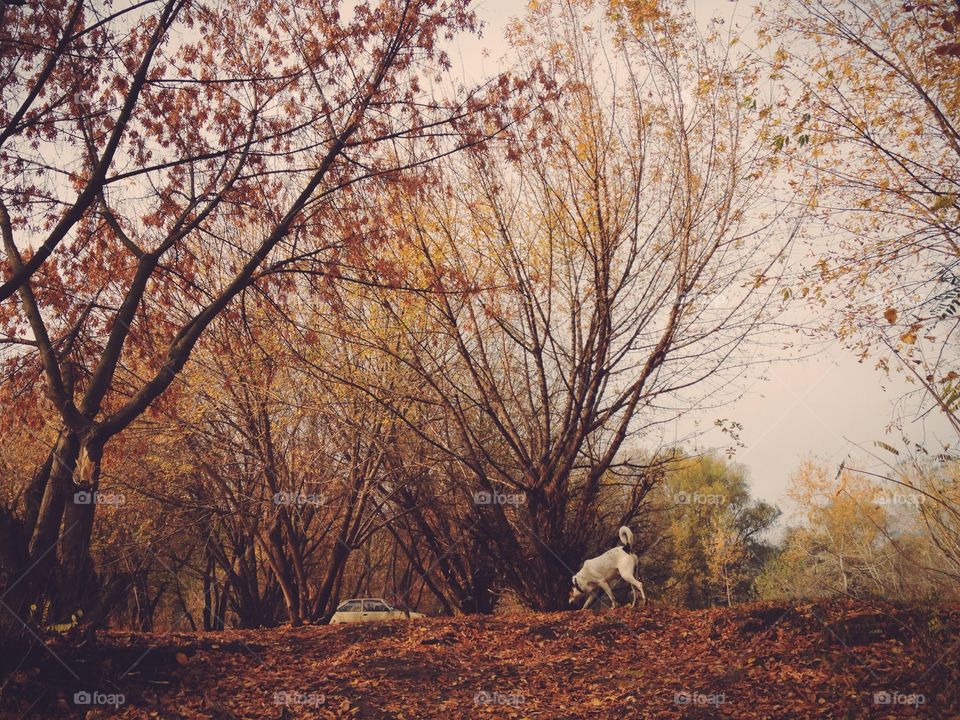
[599, 571]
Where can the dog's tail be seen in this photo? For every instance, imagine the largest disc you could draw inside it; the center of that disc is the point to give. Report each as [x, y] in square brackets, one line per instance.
[626, 538]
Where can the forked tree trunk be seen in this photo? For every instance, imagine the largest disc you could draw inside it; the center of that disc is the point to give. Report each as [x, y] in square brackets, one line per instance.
[41, 581]
[273, 546]
[78, 582]
[338, 560]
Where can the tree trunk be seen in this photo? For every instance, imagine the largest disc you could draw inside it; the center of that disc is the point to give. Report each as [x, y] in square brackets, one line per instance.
[44, 541]
[78, 581]
[273, 545]
[337, 561]
[13, 563]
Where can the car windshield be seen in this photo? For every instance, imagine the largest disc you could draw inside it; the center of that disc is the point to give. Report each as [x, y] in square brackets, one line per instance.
[350, 606]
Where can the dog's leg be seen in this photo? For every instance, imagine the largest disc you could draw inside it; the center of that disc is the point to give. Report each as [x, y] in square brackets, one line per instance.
[609, 592]
[590, 599]
[636, 584]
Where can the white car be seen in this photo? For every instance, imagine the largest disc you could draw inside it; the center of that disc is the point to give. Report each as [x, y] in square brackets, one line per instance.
[369, 610]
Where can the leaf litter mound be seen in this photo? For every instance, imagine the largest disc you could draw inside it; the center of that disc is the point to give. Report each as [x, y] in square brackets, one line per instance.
[840, 659]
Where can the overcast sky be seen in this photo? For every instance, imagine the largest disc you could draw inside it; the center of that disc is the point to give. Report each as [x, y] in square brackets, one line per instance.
[830, 406]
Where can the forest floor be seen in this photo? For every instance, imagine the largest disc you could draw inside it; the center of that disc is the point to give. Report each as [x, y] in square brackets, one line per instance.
[817, 660]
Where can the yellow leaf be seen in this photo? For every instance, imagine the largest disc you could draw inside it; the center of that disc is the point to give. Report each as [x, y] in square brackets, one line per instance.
[909, 337]
[891, 315]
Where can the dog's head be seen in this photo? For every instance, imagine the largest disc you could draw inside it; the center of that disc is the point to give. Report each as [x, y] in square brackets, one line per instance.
[576, 590]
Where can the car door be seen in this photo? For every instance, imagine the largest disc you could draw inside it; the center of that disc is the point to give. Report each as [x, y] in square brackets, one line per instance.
[375, 610]
[395, 613]
[350, 611]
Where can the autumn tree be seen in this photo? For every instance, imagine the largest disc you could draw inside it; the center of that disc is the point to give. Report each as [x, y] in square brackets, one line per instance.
[568, 283]
[244, 133]
[286, 466]
[855, 536]
[74, 80]
[875, 137]
[710, 534]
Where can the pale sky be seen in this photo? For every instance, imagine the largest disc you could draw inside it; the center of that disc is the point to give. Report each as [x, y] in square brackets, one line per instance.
[830, 406]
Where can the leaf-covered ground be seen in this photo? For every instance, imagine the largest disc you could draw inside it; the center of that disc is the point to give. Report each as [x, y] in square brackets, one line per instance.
[835, 660]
